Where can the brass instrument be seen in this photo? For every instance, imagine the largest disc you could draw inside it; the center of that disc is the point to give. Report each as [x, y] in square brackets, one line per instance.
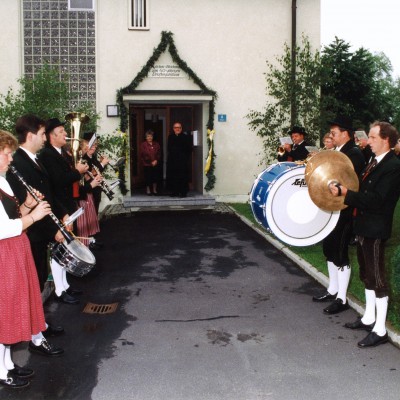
[281, 151]
[76, 119]
[328, 167]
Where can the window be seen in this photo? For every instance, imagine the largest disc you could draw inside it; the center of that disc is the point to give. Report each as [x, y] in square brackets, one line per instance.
[81, 5]
[138, 14]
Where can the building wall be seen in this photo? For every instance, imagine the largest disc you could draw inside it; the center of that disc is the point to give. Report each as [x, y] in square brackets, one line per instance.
[227, 44]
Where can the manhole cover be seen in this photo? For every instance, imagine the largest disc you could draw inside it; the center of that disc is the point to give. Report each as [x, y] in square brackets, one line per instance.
[92, 308]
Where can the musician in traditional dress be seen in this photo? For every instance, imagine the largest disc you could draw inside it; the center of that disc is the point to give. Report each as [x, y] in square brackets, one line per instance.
[21, 308]
[296, 151]
[336, 244]
[95, 165]
[62, 175]
[88, 224]
[375, 204]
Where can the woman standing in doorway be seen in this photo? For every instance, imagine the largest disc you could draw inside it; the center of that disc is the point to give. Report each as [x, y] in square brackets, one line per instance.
[150, 154]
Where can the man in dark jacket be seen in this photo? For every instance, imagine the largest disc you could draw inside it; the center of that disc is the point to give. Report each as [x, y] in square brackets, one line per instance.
[375, 204]
[297, 151]
[336, 244]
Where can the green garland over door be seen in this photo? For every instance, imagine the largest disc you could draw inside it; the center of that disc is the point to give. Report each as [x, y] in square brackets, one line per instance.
[167, 42]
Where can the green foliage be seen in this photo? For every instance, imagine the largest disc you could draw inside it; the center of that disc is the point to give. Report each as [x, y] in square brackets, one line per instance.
[358, 84]
[275, 119]
[46, 95]
[115, 145]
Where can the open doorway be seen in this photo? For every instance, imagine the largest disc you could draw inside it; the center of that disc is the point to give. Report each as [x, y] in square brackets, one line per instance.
[160, 118]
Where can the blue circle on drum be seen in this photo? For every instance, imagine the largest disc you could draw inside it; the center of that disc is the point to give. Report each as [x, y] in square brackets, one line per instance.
[261, 187]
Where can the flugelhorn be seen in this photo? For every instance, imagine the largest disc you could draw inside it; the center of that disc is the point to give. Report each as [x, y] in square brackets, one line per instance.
[281, 151]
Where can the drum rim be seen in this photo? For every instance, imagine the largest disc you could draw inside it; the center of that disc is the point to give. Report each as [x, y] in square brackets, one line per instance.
[310, 240]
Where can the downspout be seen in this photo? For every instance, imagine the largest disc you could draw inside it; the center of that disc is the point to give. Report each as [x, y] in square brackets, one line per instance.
[293, 110]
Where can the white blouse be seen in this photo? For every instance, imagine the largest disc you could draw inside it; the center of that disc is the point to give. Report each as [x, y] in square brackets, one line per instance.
[8, 227]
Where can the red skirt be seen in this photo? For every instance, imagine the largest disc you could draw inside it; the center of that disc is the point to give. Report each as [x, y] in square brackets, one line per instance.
[21, 307]
[88, 223]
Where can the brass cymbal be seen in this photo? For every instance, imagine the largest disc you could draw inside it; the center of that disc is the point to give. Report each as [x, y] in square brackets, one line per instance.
[325, 156]
[324, 174]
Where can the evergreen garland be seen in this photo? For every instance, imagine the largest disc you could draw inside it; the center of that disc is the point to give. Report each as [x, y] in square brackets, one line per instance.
[167, 41]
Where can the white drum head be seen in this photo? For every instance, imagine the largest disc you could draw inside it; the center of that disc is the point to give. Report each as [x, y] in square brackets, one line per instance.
[291, 214]
[79, 250]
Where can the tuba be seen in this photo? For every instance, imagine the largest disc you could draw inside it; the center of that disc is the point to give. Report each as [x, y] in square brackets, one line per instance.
[76, 119]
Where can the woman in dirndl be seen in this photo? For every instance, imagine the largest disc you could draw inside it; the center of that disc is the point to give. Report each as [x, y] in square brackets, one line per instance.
[21, 307]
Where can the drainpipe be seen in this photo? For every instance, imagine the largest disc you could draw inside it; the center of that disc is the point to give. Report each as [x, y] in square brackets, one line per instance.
[293, 110]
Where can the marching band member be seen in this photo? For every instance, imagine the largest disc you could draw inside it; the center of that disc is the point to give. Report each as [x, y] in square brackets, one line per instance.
[297, 151]
[61, 177]
[336, 244]
[375, 204]
[21, 308]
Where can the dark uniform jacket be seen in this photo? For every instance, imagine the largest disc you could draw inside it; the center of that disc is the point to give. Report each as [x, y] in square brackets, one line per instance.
[377, 199]
[37, 177]
[62, 176]
[298, 154]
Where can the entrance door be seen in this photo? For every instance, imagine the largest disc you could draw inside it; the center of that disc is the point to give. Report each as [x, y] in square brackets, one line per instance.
[160, 119]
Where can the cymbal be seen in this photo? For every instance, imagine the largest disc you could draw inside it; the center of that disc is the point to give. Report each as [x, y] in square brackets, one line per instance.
[325, 173]
[325, 156]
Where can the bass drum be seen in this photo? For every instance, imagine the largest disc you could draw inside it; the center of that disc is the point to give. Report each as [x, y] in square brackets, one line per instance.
[280, 203]
[75, 257]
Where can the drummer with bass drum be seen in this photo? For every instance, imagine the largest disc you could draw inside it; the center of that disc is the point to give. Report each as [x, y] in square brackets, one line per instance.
[335, 245]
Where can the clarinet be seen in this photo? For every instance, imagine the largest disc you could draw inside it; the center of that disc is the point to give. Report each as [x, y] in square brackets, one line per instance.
[103, 184]
[66, 234]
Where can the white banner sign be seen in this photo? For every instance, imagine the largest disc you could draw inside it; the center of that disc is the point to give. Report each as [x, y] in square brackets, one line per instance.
[166, 71]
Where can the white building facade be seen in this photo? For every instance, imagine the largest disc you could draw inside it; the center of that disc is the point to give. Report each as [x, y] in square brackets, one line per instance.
[104, 45]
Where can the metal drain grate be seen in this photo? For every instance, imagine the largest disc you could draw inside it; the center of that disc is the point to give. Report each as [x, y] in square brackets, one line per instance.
[92, 308]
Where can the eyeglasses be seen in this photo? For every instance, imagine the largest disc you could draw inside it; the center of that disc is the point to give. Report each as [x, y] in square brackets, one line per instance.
[177, 127]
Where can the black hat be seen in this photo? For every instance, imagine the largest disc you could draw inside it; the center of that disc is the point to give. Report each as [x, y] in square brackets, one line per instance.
[297, 129]
[53, 123]
[88, 135]
[343, 122]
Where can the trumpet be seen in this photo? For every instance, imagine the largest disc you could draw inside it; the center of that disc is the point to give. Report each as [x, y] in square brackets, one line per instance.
[281, 151]
[68, 236]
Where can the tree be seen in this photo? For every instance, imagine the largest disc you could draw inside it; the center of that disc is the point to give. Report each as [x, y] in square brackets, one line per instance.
[358, 84]
[274, 120]
[47, 95]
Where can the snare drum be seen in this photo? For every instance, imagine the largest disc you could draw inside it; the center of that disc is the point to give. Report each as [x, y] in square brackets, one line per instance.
[281, 203]
[75, 257]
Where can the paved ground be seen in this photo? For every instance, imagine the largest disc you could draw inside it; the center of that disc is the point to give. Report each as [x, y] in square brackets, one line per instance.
[207, 310]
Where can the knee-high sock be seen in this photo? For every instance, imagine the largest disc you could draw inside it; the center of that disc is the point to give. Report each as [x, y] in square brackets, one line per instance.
[3, 368]
[57, 272]
[64, 279]
[381, 311]
[369, 315]
[37, 339]
[343, 280]
[8, 362]
[333, 278]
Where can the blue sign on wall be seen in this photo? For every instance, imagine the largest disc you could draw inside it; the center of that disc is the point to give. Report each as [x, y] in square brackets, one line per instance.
[221, 117]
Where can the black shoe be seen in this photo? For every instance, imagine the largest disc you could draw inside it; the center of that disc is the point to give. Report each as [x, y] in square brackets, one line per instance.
[325, 296]
[336, 307]
[20, 372]
[358, 324]
[373, 339]
[94, 246]
[53, 331]
[66, 298]
[13, 382]
[72, 292]
[46, 349]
